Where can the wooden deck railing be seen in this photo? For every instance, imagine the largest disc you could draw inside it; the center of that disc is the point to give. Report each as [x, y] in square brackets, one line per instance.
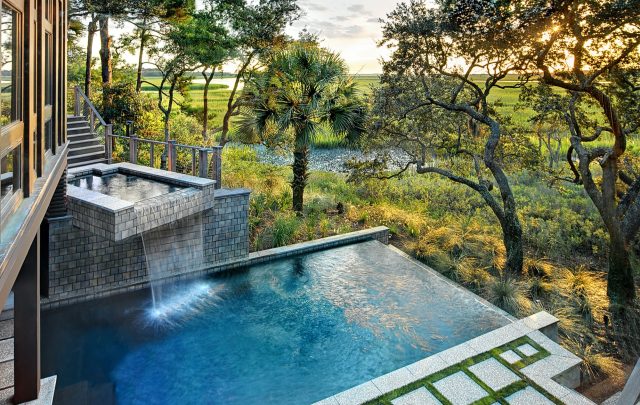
[202, 162]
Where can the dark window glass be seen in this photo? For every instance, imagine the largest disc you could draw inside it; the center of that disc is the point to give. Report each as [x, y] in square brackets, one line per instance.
[9, 80]
[9, 176]
[48, 135]
[48, 82]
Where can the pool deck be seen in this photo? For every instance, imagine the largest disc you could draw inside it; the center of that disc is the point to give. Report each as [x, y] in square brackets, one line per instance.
[519, 363]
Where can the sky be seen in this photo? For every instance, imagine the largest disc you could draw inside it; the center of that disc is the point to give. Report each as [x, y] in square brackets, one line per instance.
[348, 27]
[351, 28]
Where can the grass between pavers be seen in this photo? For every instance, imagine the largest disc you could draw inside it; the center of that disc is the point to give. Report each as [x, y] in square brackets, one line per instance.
[494, 396]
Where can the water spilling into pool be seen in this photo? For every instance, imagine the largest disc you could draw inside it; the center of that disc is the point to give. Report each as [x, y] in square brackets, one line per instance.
[292, 331]
[166, 248]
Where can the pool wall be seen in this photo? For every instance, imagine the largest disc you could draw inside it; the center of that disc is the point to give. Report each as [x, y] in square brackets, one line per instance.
[97, 250]
[116, 219]
[99, 267]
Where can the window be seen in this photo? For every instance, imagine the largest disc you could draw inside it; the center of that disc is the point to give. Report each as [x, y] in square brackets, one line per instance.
[48, 90]
[48, 11]
[9, 178]
[9, 75]
[48, 71]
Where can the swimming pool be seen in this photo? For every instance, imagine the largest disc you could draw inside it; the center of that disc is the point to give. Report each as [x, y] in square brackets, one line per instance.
[292, 331]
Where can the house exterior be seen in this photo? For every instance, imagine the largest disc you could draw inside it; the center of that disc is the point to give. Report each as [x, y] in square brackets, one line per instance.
[33, 162]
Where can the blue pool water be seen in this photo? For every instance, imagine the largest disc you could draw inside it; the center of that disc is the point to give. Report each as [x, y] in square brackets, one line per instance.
[289, 332]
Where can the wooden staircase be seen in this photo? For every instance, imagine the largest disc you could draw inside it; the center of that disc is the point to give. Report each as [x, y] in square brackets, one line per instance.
[84, 147]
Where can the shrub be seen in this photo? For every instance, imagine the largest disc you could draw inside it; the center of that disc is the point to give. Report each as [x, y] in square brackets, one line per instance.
[595, 363]
[508, 294]
[284, 229]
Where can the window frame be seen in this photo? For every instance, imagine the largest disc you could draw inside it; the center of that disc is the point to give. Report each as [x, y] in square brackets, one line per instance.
[12, 134]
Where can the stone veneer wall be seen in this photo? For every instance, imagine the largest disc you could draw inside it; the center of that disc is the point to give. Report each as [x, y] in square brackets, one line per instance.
[85, 265]
[229, 235]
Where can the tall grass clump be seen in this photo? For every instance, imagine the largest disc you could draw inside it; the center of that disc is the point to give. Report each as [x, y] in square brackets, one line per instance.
[509, 294]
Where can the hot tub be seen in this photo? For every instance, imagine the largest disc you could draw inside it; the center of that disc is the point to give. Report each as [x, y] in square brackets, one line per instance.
[122, 200]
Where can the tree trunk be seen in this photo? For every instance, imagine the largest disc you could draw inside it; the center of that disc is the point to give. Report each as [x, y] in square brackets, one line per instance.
[512, 237]
[231, 105]
[167, 117]
[511, 227]
[105, 50]
[300, 176]
[105, 62]
[163, 157]
[205, 101]
[143, 41]
[91, 30]
[620, 282]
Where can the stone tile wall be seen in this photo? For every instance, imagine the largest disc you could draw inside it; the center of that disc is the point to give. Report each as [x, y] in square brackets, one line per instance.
[228, 237]
[117, 219]
[89, 264]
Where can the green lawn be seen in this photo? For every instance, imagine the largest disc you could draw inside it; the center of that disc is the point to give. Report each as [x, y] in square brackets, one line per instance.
[506, 102]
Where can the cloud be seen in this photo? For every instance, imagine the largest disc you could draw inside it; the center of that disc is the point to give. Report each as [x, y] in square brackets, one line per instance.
[312, 6]
[349, 27]
[336, 30]
[359, 8]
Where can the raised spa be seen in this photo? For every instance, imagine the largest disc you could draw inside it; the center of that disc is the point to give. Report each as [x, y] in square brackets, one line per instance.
[128, 187]
[122, 200]
[292, 331]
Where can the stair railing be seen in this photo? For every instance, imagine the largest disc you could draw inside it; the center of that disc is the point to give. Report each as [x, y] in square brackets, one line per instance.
[83, 107]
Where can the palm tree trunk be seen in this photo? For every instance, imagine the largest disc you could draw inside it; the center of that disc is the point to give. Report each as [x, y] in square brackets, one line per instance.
[300, 176]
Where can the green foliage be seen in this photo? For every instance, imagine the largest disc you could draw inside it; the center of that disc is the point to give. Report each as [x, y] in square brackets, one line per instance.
[303, 89]
[124, 104]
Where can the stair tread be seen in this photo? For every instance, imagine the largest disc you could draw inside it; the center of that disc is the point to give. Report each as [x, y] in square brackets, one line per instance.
[86, 163]
[84, 155]
[73, 147]
[74, 144]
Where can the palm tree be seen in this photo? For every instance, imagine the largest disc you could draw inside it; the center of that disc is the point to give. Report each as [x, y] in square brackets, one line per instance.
[303, 89]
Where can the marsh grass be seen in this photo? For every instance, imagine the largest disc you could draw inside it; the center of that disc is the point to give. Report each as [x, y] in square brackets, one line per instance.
[449, 228]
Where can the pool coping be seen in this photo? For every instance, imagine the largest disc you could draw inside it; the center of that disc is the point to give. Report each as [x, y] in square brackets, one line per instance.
[380, 233]
[557, 373]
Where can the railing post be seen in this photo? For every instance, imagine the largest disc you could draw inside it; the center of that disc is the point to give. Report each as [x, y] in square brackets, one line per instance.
[203, 162]
[216, 161]
[193, 161]
[108, 146]
[133, 149]
[76, 104]
[92, 121]
[171, 153]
